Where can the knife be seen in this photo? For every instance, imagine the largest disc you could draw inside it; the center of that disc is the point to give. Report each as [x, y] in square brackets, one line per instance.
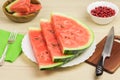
[106, 52]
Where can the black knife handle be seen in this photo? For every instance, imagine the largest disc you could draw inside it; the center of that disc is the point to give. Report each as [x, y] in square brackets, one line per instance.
[99, 67]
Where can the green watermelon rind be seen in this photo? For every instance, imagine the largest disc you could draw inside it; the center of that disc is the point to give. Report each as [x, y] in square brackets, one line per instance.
[62, 58]
[70, 50]
[16, 14]
[12, 3]
[50, 67]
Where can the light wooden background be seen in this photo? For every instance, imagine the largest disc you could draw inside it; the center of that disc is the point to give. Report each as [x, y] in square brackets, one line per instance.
[24, 69]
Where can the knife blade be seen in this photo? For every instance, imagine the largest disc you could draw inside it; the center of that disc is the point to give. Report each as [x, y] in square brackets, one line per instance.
[106, 52]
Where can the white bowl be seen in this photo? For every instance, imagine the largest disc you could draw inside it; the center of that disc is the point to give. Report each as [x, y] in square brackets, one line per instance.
[100, 20]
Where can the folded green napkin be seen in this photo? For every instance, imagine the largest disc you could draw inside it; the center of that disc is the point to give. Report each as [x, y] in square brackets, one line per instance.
[14, 50]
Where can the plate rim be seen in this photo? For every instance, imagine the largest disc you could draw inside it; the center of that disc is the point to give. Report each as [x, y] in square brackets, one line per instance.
[32, 58]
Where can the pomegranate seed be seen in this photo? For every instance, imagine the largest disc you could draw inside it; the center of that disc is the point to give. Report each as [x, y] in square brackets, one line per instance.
[103, 11]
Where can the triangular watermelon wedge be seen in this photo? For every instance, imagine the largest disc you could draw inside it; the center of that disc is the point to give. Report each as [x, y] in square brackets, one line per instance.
[73, 36]
[41, 53]
[51, 41]
[22, 7]
[18, 6]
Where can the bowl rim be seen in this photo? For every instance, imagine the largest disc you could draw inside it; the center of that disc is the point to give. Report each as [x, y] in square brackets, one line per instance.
[102, 3]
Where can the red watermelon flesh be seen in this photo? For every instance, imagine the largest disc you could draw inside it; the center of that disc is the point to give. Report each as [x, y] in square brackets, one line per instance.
[23, 7]
[19, 5]
[34, 7]
[25, 11]
[41, 53]
[71, 34]
[52, 43]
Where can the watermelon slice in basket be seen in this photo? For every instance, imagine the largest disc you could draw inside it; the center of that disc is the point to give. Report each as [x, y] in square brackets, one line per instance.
[14, 6]
[22, 7]
[73, 36]
[41, 53]
[52, 43]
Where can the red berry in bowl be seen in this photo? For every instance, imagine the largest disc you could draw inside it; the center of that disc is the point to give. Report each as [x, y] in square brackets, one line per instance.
[103, 11]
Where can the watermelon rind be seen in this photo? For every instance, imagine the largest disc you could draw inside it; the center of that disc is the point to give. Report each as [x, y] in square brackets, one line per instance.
[62, 58]
[50, 67]
[17, 14]
[12, 3]
[80, 49]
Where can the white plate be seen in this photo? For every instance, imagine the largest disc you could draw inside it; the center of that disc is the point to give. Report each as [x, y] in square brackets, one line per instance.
[27, 49]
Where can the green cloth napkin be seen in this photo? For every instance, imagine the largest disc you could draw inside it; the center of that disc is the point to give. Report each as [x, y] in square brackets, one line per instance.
[14, 50]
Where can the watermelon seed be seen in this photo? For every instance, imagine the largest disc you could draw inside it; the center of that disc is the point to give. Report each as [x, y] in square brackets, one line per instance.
[71, 33]
[54, 45]
[36, 38]
[66, 37]
[51, 31]
[61, 26]
[46, 52]
[43, 54]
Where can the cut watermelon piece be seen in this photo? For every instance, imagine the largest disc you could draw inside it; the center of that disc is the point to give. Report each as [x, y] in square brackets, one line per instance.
[41, 53]
[23, 7]
[52, 43]
[34, 7]
[18, 5]
[73, 36]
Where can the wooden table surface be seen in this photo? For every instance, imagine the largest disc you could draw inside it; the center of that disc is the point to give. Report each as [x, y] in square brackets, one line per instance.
[24, 69]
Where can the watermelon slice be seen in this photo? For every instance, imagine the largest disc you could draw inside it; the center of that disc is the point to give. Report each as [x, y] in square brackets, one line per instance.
[73, 36]
[52, 43]
[41, 53]
[22, 7]
[18, 5]
[34, 7]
